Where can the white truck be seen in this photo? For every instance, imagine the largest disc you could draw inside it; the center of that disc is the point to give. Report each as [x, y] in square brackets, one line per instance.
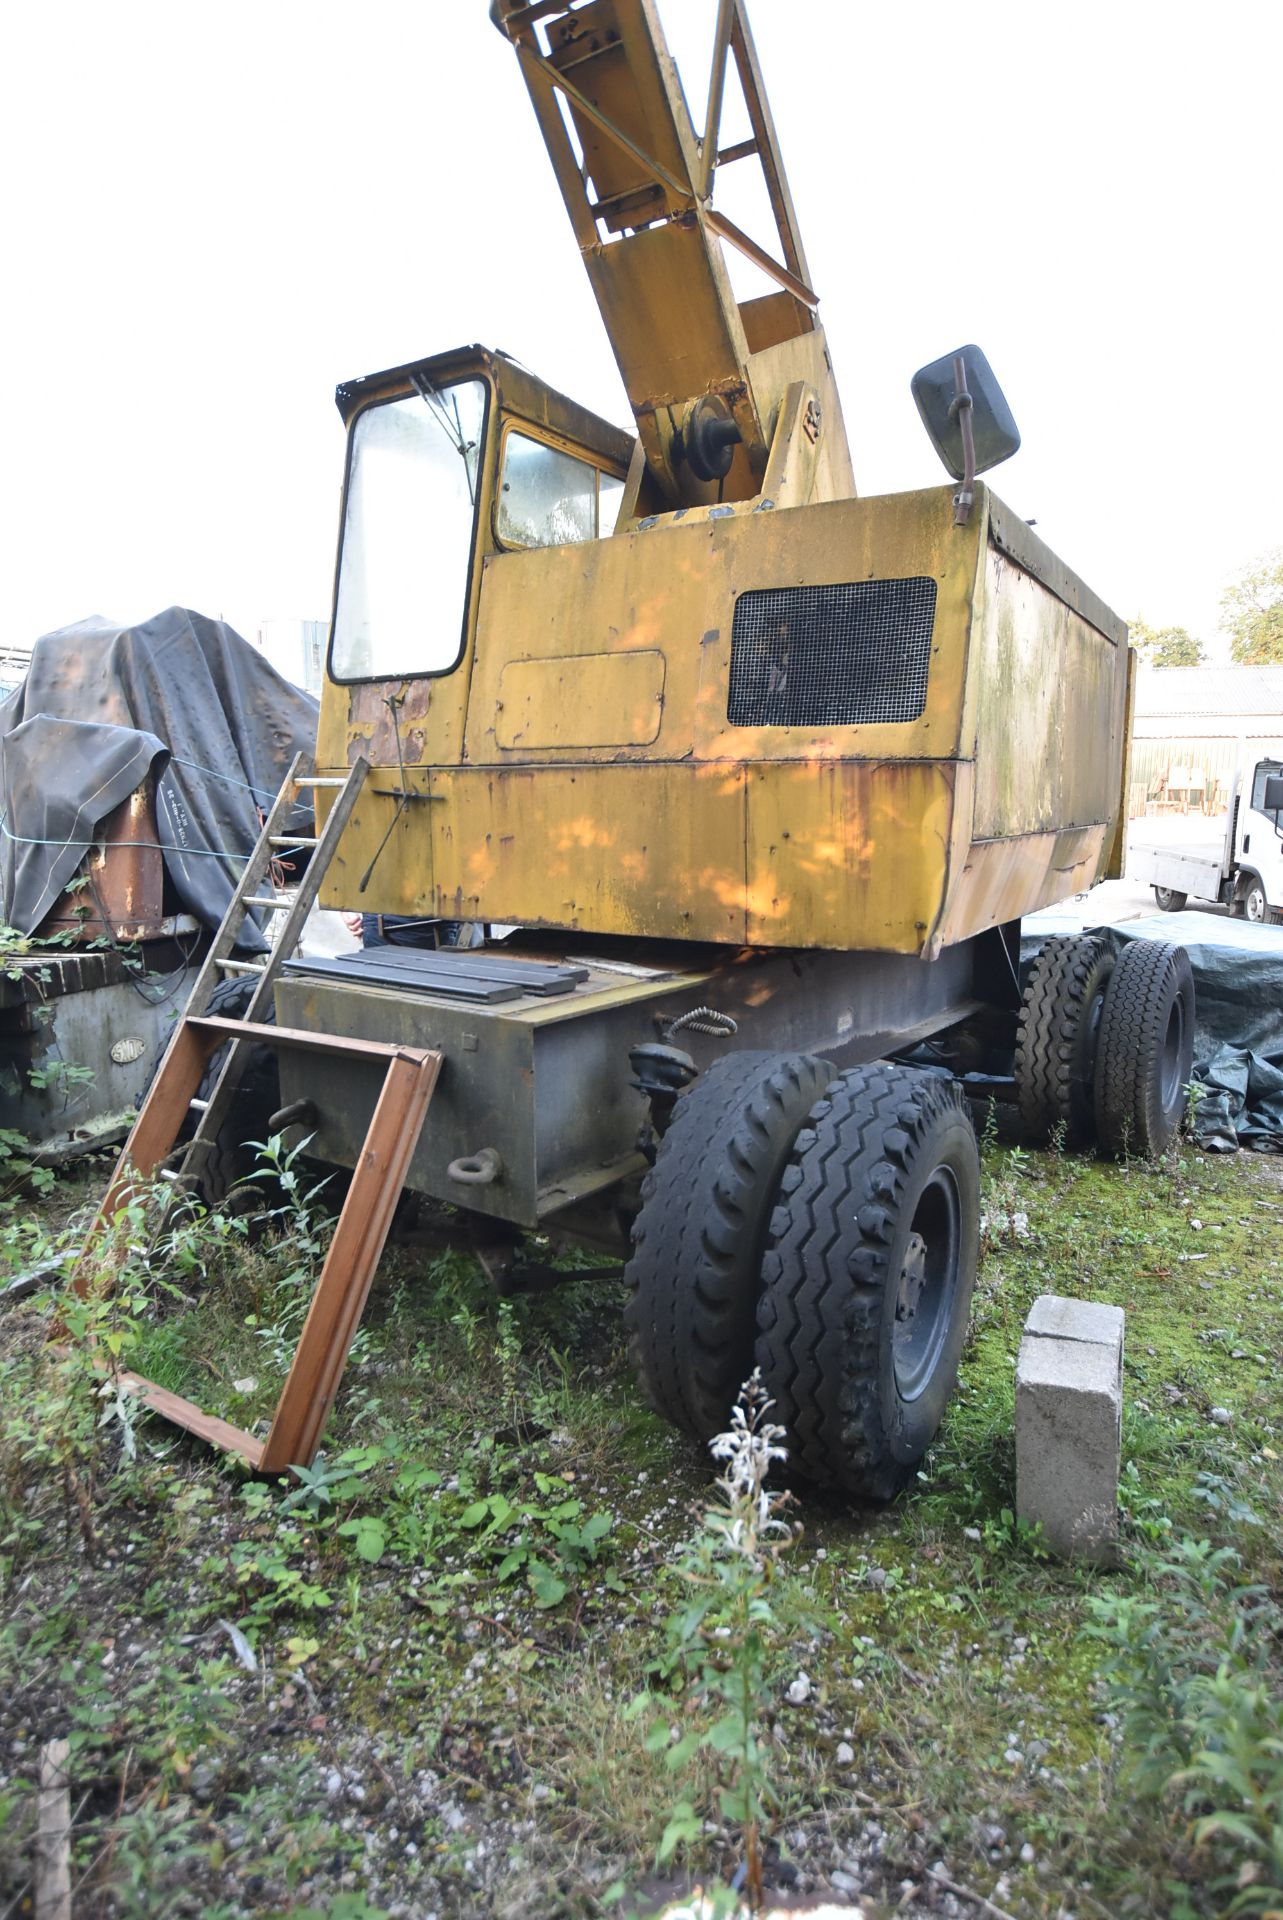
[1242, 868]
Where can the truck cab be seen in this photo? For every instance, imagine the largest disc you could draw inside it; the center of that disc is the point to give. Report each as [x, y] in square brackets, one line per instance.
[1257, 858]
[1242, 869]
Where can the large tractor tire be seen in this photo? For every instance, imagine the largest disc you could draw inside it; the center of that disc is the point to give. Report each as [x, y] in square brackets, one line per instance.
[229, 1158]
[698, 1240]
[868, 1276]
[1145, 1049]
[1060, 1013]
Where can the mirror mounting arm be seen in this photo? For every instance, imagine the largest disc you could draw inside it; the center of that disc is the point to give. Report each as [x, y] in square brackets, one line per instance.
[960, 409]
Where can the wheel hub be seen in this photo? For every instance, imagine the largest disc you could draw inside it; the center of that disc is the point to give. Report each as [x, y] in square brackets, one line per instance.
[925, 1285]
[913, 1277]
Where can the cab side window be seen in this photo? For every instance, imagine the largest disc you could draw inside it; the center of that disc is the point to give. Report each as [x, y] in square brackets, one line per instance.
[549, 498]
[1260, 802]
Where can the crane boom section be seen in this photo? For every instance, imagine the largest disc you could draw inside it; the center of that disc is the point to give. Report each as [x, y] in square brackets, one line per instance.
[706, 374]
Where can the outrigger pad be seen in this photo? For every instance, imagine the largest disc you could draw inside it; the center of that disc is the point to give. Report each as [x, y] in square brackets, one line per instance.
[462, 973]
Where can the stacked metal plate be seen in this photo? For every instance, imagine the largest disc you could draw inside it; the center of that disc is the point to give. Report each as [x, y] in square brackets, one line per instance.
[486, 979]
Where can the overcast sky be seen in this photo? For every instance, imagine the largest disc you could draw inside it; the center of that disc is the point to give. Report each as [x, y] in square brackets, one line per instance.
[213, 214]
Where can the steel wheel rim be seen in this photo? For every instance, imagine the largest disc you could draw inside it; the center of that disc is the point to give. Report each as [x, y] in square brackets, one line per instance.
[1173, 1049]
[1091, 1043]
[926, 1283]
[1254, 905]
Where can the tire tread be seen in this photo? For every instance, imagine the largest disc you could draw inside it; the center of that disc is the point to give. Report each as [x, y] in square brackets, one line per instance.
[695, 1270]
[826, 1272]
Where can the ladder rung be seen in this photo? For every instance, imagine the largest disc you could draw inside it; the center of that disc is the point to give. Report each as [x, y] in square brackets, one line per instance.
[201, 1106]
[168, 1173]
[241, 966]
[259, 900]
[291, 840]
[319, 780]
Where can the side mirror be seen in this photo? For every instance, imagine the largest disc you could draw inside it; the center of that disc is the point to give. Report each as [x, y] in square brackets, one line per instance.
[1273, 801]
[963, 382]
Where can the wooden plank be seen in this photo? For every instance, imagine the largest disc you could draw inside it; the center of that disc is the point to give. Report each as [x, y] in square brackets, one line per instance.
[154, 1132]
[185, 1413]
[53, 1835]
[344, 1285]
[303, 1039]
[359, 1237]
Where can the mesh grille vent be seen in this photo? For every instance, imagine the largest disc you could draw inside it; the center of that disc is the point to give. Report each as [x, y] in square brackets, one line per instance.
[844, 656]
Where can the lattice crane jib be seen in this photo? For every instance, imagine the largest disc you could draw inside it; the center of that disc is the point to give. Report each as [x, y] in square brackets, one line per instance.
[707, 375]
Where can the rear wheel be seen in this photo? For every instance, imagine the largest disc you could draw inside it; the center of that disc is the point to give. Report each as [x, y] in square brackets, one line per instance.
[698, 1239]
[1170, 899]
[868, 1277]
[1056, 1042]
[1145, 1050]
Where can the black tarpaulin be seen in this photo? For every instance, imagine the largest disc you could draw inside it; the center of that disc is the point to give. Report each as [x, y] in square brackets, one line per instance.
[180, 695]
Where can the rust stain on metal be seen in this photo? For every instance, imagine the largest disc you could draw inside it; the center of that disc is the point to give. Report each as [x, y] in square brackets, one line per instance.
[125, 872]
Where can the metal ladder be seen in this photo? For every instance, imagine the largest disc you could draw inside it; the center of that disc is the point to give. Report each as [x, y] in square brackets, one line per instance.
[409, 1076]
[249, 894]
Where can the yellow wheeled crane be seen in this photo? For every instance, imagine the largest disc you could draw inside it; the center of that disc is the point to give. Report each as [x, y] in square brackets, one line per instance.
[742, 783]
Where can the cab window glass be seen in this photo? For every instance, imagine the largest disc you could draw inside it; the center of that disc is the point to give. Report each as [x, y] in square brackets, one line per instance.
[548, 498]
[407, 534]
[610, 494]
[1264, 773]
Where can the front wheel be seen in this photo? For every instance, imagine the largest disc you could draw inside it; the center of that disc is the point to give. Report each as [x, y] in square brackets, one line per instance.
[696, 1264]
[866, 1284]
[1170, 899]
[1251, 904]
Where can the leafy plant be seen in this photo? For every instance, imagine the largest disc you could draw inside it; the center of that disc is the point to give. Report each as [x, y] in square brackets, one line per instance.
[64, 1398]
[721, 1639]
[1191, 1674]
[516, 1535]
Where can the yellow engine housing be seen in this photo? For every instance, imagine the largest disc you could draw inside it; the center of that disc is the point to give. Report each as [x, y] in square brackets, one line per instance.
[578, 769]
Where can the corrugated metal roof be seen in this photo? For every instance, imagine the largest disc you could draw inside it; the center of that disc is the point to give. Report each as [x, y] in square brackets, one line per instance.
[1164, 691]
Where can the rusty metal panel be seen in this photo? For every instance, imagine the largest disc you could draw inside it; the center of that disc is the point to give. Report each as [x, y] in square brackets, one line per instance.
[384, 861]
[589, 700]
[628, 849]
[123, 898]
[1003, 879]
[843, 853]
[898, 537]
[673, 589]
[1043, 706]
[633, 85]
[616, 597]
[1116, 861]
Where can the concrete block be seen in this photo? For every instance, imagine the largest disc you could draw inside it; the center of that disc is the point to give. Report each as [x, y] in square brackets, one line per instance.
[1069, 1409]
[1060, 1319]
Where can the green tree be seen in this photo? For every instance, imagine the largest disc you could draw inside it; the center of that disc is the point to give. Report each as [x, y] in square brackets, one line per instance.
[1166, 646]
[1252, 613]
